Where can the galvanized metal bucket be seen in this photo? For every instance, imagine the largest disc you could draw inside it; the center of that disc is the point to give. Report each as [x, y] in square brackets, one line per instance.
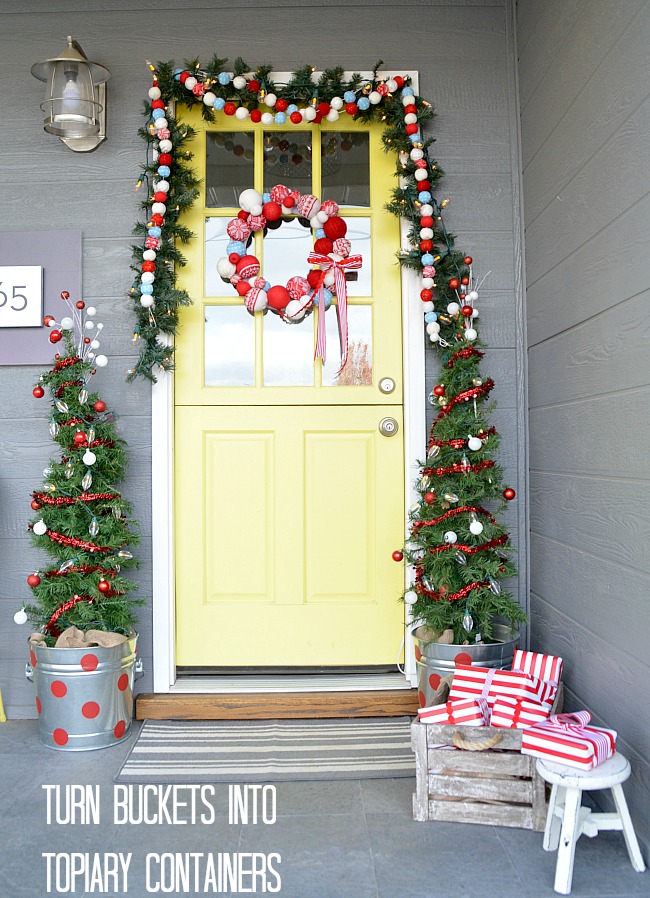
[84, 697]
[436, 661]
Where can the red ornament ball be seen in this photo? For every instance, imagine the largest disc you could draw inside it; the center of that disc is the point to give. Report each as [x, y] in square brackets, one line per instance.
[426, 295]
[256, 116]
[351, 108]
[398, 555]
[157, 219]
[183, 77]
[454, 283]
[38, 392]
[439, 390]
[103, 586]
[429, 498]
[324, 246]
[86, 340]
[335, 228]
[65, 294]
[48, 321]
[79, 438]
[313, 278]
[248, 266]
[272, 211]
[242, 288]
[278, 297]
[296, 117]
[55, 336]
[464, 281]
[157, 104]
[467, 311]
[35, 505]
[148, 266]
[33, 580]
[80, 304]
[289, 202]
[399, 81]
[426, 221]
[323, 108]
[468, 260]
[229, 109]
[509, 493]
[100, 406]
[412, 129]
[424, 185]
[281, 105]
[165, 159]
[426, 246]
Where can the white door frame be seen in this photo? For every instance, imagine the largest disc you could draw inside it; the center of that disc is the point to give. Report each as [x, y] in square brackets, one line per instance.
[162, 469]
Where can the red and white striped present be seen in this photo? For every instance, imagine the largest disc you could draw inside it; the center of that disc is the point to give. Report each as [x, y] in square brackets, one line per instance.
[566, 739]
[517, 713]
[544, 667]
[489, 683]
[470, 713]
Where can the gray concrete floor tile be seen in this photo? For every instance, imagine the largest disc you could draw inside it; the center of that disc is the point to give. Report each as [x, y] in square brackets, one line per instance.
[388, 796]
[341, 797]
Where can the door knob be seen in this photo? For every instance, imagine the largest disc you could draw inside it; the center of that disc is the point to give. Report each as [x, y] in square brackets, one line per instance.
[388, 427]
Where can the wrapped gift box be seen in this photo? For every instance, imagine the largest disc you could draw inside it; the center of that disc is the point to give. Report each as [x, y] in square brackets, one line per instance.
[544, 667]
[471, 682]
[567, 739]
[469, 712]
[517, 712]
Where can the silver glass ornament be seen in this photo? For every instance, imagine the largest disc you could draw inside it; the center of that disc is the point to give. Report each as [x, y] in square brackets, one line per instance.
[432, 398]
[461, 558]
[433, 452]
[87, 480]
[94, 527]
[62, 406]
[54, 428]
[68, 470]
[83, 396]
[117, 512]
[495, 586]
[123, 553]
[66, 565]
[90, 436]
[451, 497]
[468, 622]
[428, 584]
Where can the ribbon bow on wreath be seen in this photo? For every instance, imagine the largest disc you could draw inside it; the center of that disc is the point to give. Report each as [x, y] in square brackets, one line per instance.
[339, 267]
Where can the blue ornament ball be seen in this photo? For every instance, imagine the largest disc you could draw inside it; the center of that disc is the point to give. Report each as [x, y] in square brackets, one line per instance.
[164, 171]
[430, 316]
[427, 259]
[236, 246]
[158, 113]
[146, 288]
[408, 92]
[219, 103]
[363, 103]
[327, 296]
[266, 197]
[349, 96]
[177, 74]
[318, 233]
[424, 196]
[223, 78]
[292, 108]
[154, 231]
[280, 118]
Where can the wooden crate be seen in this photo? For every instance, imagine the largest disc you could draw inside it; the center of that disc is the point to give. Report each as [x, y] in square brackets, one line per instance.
[498, 786]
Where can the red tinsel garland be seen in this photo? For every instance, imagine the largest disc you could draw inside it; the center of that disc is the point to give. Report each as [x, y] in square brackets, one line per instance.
[467, 353]
[83, 569]
[460, 444]
[66, 363]
[463, 509]
[67, 383]
[447, 597]
[70, 500]
[76, 543]
[66, 607]
[459, 468]
[471, 550]
[465, 396]
[72, 422]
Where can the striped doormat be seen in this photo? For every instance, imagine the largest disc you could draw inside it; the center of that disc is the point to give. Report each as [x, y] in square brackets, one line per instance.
[269, 751]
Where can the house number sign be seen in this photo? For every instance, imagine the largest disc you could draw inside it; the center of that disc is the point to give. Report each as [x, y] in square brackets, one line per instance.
[21, 295]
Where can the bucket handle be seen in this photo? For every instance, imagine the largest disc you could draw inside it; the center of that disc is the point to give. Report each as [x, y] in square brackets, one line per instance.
[138, 670]
[29, 672]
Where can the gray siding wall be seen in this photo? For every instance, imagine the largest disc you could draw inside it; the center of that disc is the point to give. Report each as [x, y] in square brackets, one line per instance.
[585, 120]
[464, 54]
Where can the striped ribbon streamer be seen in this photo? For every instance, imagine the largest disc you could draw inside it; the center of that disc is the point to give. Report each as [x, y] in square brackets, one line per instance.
[339, 266]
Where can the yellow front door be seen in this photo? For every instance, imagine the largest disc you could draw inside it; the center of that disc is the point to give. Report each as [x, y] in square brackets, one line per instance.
[289, 497]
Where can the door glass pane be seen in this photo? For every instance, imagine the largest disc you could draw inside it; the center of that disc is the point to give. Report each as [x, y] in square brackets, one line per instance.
[346, 167]
[360, 282]
[229, 347]
[285, 252]
[288, 352]
[229, 159]
[287, 160]
[358, 370]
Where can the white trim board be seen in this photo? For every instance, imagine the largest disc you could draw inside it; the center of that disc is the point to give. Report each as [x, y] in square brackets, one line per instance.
[162, 486]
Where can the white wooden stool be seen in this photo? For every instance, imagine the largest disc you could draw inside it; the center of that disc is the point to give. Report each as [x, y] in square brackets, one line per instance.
[567, 820]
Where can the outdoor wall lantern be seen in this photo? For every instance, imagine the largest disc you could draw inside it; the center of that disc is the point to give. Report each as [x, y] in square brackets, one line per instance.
[75, 98]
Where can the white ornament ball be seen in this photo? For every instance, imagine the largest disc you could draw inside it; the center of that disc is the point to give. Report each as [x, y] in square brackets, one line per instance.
[315, 222]
[95, 343]
[158, 209]
[417, 154]
[421, 174]
[146, 301]
[209, 98]
[474, 443]
[225, 268]
[267, 118]
[149, 255]
[410, 119]
[450, 537]
[89, 458]
[162, 186]
[165, 146]
[472, 296]
[329, 279]
[337, 103]
[147, 277]
[154, 93]
[310, 114]
[426, 233]
[100, 326]
[433, 327]
[322, 217]
[474, 312]
[476, 527]
[374, 97]
[89, 325]
[427, 283]
[434, 338]
[410, 597]
[101, 361]
[40, 527]
[294, 310]
[90, 311]
[161, 123]
[270, 100]
[67, 324]
[428, 306]
[470, 333]
[250, 199]
[391, 84]
[332, 115]
[20, 617]
[453, 308]
[408, 99]
[239, 82]
[241, 113]
[190, 83]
